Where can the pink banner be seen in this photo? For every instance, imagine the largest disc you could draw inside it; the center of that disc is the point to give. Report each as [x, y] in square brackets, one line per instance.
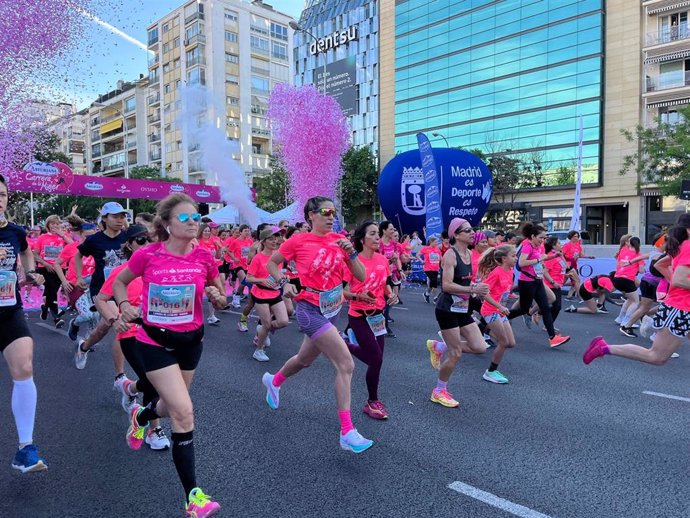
[57, 178]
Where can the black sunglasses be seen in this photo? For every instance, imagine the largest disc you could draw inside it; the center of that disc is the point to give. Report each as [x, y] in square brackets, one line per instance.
[467, 230]
[141, 240]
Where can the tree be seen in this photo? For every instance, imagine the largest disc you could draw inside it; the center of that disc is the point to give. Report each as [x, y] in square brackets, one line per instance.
[663, 158]
[273, 189]
[359, 184]
[507, 177]
[565, 175]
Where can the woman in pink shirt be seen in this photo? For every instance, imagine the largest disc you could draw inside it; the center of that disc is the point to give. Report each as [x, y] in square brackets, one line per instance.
[175, 277]
[572, 251]
[672, 319]
[431, 255]
[322, 257]
[628, 266]
[211, 243]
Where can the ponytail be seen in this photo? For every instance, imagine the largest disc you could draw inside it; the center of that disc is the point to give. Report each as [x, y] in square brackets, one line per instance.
[677, 235]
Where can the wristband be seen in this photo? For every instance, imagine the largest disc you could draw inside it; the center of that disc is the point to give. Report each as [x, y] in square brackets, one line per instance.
[282, 282]
[122, 302]
[353, 256]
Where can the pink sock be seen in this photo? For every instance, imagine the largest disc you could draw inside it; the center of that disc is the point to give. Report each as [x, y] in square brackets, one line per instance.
[278, 379]
[345, 421]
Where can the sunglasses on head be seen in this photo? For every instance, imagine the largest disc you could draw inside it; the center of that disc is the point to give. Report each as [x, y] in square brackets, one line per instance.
[141, 240]
[466, 230]
[326, 211]
[184, 217]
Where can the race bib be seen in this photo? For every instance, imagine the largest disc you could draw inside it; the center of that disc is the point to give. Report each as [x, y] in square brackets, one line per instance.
[377, 324]
[107, 271]
[434, 258]
[51, 252]
[504, 299]
[171, 304]
[292, 266]
[539, 270]
[461, 304]
[8, 289]
[331, 301]
[245, 251]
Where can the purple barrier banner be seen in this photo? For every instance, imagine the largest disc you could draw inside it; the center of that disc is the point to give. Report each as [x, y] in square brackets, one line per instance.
[58, 178]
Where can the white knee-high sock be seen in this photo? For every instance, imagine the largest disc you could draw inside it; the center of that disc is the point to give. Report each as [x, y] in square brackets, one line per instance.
[24, 409]
[628, 314]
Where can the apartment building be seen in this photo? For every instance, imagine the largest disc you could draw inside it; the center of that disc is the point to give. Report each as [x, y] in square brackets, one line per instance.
[116, 124]
[239, 51]
[71, 129]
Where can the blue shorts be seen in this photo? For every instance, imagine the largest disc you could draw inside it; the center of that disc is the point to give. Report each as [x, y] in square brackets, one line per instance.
[311, 322]
[495, 317]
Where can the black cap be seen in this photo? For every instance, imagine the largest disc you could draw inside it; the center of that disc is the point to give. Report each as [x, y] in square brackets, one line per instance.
[136, 231]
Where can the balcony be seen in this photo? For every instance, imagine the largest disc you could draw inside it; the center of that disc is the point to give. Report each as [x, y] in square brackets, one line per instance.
[196, 60]
[667, 82]
[154, 78]
[153, 40]
[154, 99]
[153, 137]
[154, 155]
[156, 117]
[668, 35]
[153, 61]
[193, 40]
[192, 17]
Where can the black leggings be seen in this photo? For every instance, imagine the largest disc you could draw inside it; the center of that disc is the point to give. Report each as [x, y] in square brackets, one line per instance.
[534, 291]
[51, 286]
[370, 352]
[556, 306]
[132, 353]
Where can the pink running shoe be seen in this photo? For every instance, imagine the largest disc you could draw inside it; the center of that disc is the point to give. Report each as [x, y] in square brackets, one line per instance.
[434, 355]
[200, 505]
[597, 348]
[375, 409]
[136, 433]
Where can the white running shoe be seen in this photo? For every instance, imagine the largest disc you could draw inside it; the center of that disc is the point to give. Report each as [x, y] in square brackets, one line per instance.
[267, 340]
[80, 356]
[122, 384]
[157, 440]
[236, 301]
[354, 442]
[675, 355]
[260, 356]
[213, 320]
[242, 326]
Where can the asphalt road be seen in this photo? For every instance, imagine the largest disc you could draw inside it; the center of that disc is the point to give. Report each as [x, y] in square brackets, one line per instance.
[562, 439]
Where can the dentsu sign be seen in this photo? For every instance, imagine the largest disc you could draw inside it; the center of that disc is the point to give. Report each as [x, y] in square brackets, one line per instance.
[333, 40]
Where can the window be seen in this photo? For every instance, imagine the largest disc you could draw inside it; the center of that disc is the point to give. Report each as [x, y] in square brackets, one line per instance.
[670, 116]
[260, 83]
[193, 30]
[195, 56]
[258, 43]
[259, 30]
[233, 122]
[166, 68]
[166, 47]
[232, 79]
[176, 42]
[166, 27]
[130, 104]
[231, 36]
[257, 149]
[258, 109]
[153, 36]
[230, 16]
[279, 50]
[196, 76]
[232, 58]
[279, 31]
[167, 88]
[233, 101]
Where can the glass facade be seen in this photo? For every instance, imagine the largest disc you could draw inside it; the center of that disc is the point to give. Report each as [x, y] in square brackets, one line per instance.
[503, 77]
[323, 18]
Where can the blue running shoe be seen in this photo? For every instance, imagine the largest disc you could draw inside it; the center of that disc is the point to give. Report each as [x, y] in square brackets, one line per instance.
[354, 441]
[72, 330]
[272, 392]
[27, 460]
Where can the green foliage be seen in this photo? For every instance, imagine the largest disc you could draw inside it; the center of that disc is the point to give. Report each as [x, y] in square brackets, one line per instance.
[664, 154]
[359, 184]
[565, 175]
[272, 190]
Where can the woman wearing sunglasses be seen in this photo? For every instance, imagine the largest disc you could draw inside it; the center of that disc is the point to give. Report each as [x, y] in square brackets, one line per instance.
[454, 312]
[175, 275]
[321, 257]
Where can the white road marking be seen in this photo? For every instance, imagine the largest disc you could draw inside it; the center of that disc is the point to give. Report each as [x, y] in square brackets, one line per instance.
[51, 328]
[667, 396]
[500, 503]
[404, 309]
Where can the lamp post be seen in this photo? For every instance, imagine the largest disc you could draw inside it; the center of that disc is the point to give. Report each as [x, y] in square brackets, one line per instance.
[297, 27]
[440, 135]
[124, 126]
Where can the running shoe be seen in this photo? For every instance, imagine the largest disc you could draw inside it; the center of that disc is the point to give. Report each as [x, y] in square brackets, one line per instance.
[571, 309]
[354, 441]
[646, 329]
[80, 356]
[27, 460]
[200, 505]
[443, 397]
[213, 320]
[390, 333]
[527, 320]
[426, 297]
[272, 392]
[136, 432]
[602, 309]
[44, 312]
[59, 323]
[156, 439]
[123, 385]
[242, 326]
[558, 340]
[627, 331]
[596, 348]
[375, 409]
[352, 338]
[434, 355]
[235, 301]
[494, 377]
[260, 356]
[675, 355]
[267, 340]
[73, 330]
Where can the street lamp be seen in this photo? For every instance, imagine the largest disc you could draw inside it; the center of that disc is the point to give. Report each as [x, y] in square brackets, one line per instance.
[440, 135]
[297, 27]
[124, 126]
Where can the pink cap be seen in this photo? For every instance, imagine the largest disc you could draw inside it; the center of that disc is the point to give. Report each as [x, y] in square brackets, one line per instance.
[455, 224]
[213, 224]
[478, 236]
[605, 282]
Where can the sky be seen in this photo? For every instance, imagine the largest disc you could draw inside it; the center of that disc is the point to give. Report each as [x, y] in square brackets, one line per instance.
[105, 57]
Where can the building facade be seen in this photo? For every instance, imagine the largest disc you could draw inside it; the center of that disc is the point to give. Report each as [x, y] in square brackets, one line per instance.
[338, 52]
[116, 130]
[512, 79]
[239, 51]
[72, 131]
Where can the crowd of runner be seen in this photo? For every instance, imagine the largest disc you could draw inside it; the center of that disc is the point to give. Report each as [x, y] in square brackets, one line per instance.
[151, 281]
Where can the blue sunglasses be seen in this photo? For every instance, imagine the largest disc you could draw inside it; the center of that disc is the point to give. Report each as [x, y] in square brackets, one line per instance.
[184, 217]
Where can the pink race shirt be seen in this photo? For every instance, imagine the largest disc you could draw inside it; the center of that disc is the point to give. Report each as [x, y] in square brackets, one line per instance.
[67, 257]
[257, 268]
[572, 253]
[377, 272]
[476, 256]
[532, 254]
[173, 287]
[212, 245]
[49, 246]
[319, 261]
[432, 258]
[388, 250]
[679, 298]
[241, 248]
[134, 290]
[627, 272]
[556, 269]
[500, 284]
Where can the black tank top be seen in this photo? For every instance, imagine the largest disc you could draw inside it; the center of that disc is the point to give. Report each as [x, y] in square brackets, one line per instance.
[652, 266]
[462, 275]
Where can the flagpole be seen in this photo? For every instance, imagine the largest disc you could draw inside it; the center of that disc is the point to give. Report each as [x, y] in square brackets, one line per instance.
[575, 219]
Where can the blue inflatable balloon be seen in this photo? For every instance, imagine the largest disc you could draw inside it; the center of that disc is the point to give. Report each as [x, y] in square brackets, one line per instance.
[464, 181]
